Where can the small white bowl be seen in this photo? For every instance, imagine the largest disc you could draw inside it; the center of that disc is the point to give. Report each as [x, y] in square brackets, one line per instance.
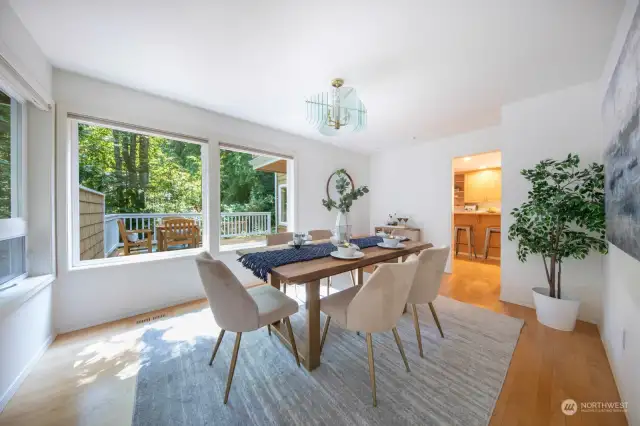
[347, 251]
[390, 241]
[382, 234]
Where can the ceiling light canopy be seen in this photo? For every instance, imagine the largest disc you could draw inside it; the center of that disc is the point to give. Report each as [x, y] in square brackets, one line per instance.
[338, 111]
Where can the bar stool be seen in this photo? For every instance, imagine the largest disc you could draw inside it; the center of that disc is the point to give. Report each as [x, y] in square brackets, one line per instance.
[487, 238]
[469, 230]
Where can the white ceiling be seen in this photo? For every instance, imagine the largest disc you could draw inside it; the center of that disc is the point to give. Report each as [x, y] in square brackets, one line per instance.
[480, 161]
[424, 68]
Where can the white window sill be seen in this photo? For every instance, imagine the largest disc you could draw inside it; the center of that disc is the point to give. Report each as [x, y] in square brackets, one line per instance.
[14, 297]
[138, 258]
[235, 247]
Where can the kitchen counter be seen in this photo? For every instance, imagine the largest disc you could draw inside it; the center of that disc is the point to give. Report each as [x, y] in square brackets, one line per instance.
[477, 213]
[479, 221]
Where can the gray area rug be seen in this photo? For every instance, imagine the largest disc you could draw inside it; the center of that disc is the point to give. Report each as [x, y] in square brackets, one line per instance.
[456, 383]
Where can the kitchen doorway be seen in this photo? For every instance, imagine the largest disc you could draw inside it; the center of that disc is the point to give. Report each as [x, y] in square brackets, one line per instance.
[476, 229]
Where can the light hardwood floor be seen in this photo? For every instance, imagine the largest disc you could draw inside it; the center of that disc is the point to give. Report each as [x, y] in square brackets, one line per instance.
[88, 377]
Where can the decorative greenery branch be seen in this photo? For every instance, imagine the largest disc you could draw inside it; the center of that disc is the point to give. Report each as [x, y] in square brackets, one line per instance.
[563, 216]
[347, 194]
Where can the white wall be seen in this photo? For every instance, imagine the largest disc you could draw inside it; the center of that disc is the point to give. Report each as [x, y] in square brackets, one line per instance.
[21, 51]
[25, 333]
[26, 329]
[417, 182]
[548, 126]
[91, 296]
[621, 290]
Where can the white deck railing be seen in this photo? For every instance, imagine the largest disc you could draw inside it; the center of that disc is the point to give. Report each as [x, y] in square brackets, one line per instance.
[249, 223]
[231, 224]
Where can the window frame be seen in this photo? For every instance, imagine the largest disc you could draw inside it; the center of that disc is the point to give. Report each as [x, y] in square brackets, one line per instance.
[279, 205]
[241, 146]
[16, 225]
[73, 194]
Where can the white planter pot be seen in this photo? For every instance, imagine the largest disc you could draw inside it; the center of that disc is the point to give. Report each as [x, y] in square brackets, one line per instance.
[560, 314]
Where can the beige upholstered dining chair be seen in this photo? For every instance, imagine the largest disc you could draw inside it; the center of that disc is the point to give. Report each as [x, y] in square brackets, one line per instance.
[277, 240]
[320, 234]
[240, 310]
[426, 283]
[373, 308]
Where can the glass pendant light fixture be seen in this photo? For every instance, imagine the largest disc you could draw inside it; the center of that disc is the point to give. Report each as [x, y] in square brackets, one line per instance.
[337, 112]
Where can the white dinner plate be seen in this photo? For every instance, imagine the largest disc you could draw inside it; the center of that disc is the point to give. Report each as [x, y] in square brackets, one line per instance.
[399, 246]
[357, 255]
[306, 243]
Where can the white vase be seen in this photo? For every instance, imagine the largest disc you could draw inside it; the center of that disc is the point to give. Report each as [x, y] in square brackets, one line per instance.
[560, 314]
[342, 219]
[343, 226]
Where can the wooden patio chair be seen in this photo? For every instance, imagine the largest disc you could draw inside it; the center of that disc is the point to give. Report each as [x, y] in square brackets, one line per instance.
[164, 219]
[181, 232]
[138, 245]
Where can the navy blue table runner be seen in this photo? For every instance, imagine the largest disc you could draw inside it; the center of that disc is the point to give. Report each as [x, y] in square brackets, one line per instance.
[262, 263]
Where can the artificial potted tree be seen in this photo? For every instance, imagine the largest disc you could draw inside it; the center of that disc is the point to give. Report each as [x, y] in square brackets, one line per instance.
[563, 218]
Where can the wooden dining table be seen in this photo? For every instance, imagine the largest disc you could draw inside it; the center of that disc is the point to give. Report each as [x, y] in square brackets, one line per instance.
[311, 272]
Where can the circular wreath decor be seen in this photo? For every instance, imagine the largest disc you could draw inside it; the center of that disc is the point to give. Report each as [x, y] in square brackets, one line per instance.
[347, 192]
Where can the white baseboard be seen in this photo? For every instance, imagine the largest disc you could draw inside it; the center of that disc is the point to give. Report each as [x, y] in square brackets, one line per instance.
[68, 328]
[616, 380]
[13, 388]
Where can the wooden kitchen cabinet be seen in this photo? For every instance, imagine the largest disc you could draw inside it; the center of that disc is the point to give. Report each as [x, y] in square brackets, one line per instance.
[483, 186]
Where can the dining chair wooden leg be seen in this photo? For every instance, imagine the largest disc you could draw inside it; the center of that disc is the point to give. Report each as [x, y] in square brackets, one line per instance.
[416, 325]
[232, 367]
[328, 286]
[353, 279]
[269, 329]
[324, 333]
[287, 321]
[284, 288]
[215, 349]
[399, 343]
[435, 317]
[372, 370]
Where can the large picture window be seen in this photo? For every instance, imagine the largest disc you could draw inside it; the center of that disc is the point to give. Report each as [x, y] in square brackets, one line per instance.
[12, 225]
[135, 193]
[253, 196]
